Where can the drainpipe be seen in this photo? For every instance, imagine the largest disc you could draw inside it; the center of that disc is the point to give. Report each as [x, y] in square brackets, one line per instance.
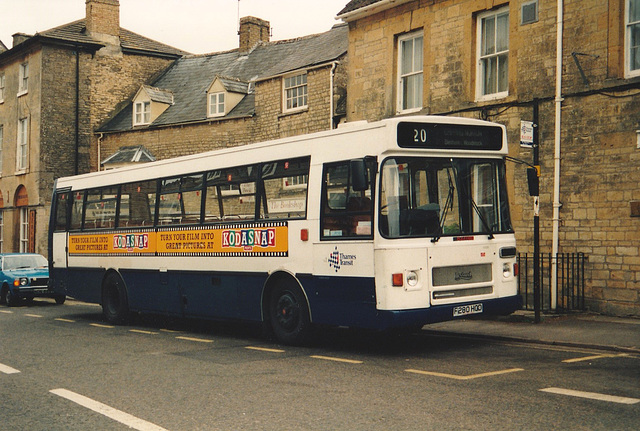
[100, 149]
[556, 163]
[333, 72]
[77, 119]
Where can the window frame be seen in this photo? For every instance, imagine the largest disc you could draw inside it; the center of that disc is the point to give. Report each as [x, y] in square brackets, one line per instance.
[24, 229]
[630, 73]
[3, 82]
[214, 107]
[1, 146]
[23, 79]
[288, 89]
[403, 77]
[1, 230]
[526, 4]
[143, 110]
[481, 94]
[22, 148]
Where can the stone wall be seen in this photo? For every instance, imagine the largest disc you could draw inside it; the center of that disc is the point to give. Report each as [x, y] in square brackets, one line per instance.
[600, 160]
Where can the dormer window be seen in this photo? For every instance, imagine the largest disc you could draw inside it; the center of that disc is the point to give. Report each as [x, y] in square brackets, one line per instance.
[224, 94]
[294, 92]
[149, 103]
[216, 104]
[142, 113]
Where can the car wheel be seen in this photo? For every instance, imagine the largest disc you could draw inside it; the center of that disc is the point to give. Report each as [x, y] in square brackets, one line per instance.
[115, 305]
[10, 298]
[3, 294]
[289, 314]
[60, 299]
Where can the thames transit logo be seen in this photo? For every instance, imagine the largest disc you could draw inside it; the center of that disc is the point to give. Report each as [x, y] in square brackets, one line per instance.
[337, 260]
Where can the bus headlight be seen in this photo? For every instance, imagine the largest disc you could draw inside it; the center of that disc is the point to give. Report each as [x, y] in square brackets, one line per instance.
[506, 270]
[412, 278]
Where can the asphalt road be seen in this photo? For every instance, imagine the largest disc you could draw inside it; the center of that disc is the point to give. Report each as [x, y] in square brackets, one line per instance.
[63, 368]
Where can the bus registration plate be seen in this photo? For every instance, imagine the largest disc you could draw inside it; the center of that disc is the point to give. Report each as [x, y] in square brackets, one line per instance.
[464, 310]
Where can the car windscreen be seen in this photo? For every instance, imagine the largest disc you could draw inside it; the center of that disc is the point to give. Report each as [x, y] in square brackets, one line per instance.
[22, 262]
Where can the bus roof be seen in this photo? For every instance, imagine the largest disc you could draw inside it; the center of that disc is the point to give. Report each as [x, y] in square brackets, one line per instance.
[339, 148]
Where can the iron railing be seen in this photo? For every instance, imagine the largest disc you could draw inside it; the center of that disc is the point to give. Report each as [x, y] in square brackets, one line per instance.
[570, 277]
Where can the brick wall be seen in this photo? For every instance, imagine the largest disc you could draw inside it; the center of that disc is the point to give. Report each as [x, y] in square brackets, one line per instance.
[599, 159]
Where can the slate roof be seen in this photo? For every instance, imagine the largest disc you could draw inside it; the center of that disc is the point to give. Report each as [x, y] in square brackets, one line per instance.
[75, 32]
[189, 77]
[234, 85]
[159, 95]
[137, 154]
[357, 4]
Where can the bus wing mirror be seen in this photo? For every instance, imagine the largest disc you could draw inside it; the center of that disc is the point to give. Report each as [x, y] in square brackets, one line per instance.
[534, 182]
[359, 175]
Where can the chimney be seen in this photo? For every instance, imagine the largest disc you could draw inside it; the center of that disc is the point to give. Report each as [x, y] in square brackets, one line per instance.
[18, 38]
[252, 31]
[103, 18]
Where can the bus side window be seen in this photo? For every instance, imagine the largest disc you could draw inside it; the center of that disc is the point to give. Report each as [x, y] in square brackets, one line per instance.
[285, 189]
[180, 200]
[238, 193]
[212, 203]
[137, 204]
[100, 208]
[346, 213]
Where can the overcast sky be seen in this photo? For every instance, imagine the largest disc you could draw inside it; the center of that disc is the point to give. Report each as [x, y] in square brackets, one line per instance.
[196, 26]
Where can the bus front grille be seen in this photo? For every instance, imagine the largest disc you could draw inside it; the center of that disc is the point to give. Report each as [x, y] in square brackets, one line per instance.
[462, 274]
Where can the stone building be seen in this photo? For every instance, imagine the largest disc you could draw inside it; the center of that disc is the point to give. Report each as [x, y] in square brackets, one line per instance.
[56, 87]
[578, 60]
[262, 90]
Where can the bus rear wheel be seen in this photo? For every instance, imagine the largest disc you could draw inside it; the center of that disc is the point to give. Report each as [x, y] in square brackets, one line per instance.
[115, 305]
[289, 314]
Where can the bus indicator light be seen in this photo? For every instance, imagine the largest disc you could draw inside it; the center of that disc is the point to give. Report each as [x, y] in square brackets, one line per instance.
[304, 234]
[397, 279]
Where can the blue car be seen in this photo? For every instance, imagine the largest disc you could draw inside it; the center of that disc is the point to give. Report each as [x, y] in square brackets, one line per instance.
[24, 276]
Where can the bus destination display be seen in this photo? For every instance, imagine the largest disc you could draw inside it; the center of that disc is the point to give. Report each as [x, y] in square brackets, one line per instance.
[449, 136]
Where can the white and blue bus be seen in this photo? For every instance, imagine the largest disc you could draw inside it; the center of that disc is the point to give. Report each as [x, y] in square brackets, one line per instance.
[390, 224]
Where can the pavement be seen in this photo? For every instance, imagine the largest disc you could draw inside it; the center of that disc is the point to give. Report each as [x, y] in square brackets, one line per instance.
[584, 330]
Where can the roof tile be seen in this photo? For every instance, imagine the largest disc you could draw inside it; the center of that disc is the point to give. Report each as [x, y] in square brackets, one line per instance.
[189, 77]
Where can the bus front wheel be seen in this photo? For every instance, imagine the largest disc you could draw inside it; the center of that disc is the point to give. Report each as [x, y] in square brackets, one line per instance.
[289, 314]
[115, 306]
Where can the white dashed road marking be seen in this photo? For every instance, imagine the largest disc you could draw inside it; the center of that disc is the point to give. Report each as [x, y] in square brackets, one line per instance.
[592, 396]
[105, 410]
[7, 369]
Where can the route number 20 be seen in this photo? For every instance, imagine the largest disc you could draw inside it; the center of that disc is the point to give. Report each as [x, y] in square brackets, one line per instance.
[420, 136]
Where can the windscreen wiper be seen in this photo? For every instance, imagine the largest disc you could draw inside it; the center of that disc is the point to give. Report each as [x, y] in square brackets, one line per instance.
[481, 217]
[448, 204]
[477, 210]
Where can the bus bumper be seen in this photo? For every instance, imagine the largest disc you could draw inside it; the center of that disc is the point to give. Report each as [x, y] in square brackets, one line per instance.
[391, 319]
